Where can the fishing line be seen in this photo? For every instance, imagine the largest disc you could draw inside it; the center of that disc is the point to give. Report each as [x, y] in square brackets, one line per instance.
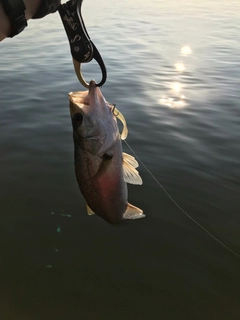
[186, 214]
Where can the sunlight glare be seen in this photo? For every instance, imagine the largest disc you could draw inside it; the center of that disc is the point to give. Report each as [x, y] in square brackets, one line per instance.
[186, 50]
[180, 67]
[177, 87]
[177, 103]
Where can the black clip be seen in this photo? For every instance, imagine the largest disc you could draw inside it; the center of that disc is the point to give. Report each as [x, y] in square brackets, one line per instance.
[82, 48]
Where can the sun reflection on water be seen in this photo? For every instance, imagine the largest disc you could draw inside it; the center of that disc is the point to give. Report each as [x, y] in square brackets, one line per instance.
[186, 50]
[180, 67]
[176, 99]
[178, 102]
[177, 87]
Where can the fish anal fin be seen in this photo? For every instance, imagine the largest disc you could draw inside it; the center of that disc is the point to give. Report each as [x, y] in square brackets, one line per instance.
[130, 174]
[89, 210]
[133, 212]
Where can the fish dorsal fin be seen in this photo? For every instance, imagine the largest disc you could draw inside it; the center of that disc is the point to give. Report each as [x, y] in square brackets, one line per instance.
[89, 211]
[130, 174]
[130, 160]
[133, 212]
[118, 114]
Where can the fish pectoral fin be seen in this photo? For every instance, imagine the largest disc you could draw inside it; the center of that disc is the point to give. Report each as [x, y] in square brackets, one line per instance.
[130, 160]
[89, 211]
[130, 174]
[133, 212]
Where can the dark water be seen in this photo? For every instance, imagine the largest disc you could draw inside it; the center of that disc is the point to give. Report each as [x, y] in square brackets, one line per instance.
[173, 70]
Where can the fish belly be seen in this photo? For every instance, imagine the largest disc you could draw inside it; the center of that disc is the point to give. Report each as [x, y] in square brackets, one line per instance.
[101, 183]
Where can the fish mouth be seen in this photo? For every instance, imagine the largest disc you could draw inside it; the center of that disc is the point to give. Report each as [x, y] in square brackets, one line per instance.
[84, 100]
[92, 83]
[77, 101]
[92, 87]
[94, 92]
[87, 101]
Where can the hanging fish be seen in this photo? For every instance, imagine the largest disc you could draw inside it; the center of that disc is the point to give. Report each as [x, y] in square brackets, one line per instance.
[102, 169]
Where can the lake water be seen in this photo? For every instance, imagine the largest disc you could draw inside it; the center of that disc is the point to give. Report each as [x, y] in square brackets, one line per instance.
[173, 71]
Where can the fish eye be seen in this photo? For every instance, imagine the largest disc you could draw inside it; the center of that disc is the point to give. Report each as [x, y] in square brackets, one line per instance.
[78, 117]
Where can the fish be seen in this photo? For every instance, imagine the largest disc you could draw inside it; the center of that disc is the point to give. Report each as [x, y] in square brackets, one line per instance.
[102, 169]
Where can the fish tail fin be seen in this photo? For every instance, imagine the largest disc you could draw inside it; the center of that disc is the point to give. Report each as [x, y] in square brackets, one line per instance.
[133, 212]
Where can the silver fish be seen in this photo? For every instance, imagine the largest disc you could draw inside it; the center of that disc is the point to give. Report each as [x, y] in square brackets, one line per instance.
[102, 169]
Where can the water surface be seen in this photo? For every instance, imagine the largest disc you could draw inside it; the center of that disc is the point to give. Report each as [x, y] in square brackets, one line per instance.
[173, 71]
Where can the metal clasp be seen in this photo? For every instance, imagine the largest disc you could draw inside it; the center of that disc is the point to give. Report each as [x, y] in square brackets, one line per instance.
[82, 48]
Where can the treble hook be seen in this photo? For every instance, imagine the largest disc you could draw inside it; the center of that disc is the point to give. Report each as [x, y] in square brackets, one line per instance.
[82, 48]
